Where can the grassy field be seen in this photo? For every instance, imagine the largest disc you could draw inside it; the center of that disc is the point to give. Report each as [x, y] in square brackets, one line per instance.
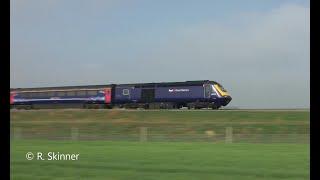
[162, 125]
[154, 160]
[115, 152]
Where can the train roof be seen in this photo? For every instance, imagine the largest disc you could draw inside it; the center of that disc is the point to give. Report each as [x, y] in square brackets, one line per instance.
[159, 84]
[165, 84]
[61, 88]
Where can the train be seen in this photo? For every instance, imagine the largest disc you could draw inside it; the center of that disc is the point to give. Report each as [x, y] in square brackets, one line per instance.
[163, 95]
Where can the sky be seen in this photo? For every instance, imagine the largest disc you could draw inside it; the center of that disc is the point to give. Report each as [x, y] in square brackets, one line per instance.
[258, 50]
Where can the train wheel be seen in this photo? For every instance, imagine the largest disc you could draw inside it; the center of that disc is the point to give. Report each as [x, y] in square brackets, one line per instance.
[215, 107]
[107, 106]
[191, 106]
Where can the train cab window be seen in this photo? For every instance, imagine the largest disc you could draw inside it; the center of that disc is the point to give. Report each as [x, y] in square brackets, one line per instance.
[213, 91]
[207, 90]
[92, 93]
[81, 93]
[71, 93]
[125, 92]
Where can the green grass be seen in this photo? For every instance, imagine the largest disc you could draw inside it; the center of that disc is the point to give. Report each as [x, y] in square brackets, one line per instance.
[155, 116]
[99, 123]
[101, 159]
[165, 160]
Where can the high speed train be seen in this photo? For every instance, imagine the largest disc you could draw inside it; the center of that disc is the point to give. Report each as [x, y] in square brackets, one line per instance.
[163, 95]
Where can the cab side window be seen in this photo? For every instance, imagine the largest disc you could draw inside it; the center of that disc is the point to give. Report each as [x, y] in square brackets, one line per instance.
[207, 90]
[125, 92]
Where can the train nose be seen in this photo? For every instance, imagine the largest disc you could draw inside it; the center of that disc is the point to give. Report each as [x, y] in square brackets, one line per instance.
[226, 100]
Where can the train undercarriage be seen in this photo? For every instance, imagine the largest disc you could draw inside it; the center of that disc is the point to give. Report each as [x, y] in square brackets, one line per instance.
[153, 105]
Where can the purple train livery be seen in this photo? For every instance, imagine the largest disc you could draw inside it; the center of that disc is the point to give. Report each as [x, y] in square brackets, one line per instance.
[164, 95]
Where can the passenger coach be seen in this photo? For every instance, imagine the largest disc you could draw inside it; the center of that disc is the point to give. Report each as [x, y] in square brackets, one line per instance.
[191, 94]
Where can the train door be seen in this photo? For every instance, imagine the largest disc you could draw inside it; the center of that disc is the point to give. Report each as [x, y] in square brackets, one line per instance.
[207, 90]
[113, 93]
[12, 97]
[126, 94]
[147, 95]
[107, 95]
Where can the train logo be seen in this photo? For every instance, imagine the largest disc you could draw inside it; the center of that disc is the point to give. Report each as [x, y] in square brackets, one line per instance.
[179, 90]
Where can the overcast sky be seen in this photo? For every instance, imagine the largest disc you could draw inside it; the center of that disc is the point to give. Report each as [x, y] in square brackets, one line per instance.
[258, 50]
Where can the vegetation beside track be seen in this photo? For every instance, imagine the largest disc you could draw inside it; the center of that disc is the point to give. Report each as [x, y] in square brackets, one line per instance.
[165, 125]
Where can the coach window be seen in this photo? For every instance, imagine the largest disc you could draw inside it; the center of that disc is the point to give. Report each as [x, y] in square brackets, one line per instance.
[27, 95]
[92, 93]
[81, 93]
[39, 94]
[31, 94]
[22, 95]
[42, 94]
[71, 93]
[34, 95]
[125, 92]
[61, 93]
[50, 93]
